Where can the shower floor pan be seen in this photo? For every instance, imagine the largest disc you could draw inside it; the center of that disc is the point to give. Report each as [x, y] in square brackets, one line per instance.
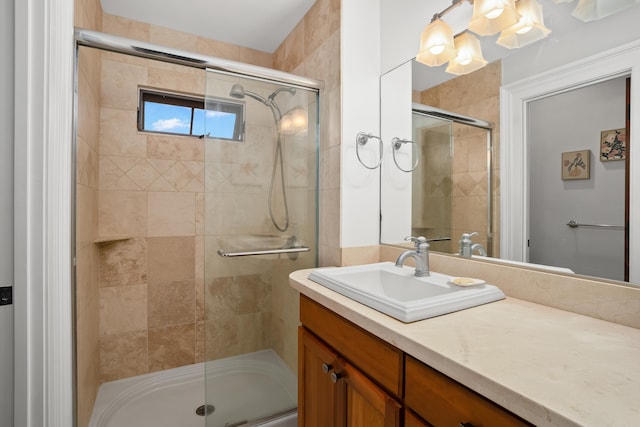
[240, 388]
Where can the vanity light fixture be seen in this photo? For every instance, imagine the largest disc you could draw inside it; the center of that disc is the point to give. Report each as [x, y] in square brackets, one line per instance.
[519, 21]
[492, 16]
[469, 57]
[530, 28]
[436, 43]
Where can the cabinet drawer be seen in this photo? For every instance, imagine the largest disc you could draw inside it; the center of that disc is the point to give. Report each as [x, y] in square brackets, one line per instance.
[442, 401]
[379, 360]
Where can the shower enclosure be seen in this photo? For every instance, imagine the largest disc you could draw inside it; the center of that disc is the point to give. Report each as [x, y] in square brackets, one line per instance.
[187, 227]
[452, 184]
[260, 224]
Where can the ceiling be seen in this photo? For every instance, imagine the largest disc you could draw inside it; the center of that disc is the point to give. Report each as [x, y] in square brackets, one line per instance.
[257, 24]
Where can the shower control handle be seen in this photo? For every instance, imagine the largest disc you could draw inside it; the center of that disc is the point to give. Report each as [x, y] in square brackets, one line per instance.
[326, 368]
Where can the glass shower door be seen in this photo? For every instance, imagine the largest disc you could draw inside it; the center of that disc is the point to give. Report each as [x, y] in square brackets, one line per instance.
[260, 224]
[454, 182]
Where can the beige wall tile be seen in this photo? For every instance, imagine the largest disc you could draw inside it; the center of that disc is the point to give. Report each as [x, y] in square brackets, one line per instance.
[175, 148]
[123, 309]
[322, 20]
[123, 355]
[172, 38]
[218, 49]
[87, 164]
[123, 263]
[120, 82]
[254, 295]
[171, 214]
[123, 213]
[124, 27]
[119, 135]
[171, 347]
[183, 80]
[171, 259]
[171, 303]
[200, 342]
[256, 57]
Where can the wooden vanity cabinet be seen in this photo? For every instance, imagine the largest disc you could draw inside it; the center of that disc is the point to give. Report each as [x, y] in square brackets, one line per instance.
[349, 377]
[442, 401]
[332, 391]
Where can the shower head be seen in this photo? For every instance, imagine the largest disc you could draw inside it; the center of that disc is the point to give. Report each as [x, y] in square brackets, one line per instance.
[238, 92]
[291, 90]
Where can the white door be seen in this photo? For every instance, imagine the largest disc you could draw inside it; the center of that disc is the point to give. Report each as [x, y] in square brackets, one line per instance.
[6, 212]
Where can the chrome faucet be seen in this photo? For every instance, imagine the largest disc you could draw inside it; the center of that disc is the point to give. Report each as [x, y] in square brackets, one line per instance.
[467, 247]
[420, 254]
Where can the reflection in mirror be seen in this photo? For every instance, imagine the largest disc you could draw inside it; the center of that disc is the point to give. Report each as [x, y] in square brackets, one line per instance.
[451, 185]
[478, 95]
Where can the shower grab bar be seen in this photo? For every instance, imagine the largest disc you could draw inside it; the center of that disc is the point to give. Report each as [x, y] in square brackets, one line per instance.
[276, 251]
[574, 224]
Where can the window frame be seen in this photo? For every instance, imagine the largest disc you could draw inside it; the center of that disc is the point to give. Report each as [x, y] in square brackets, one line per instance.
[194, 103]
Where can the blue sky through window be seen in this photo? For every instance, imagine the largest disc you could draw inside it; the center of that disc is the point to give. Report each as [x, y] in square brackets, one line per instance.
[165, 113]
[167, 118]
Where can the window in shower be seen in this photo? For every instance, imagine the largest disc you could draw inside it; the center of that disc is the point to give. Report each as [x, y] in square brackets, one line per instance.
[163, 112]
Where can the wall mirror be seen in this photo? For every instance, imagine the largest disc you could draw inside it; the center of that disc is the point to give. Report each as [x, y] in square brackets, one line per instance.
[482, 95]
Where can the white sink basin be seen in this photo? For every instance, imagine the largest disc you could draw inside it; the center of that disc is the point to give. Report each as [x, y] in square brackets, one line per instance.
[398, 293]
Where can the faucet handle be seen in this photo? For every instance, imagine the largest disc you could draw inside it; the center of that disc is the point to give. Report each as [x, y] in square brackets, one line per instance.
[416, 240]
[421, 242]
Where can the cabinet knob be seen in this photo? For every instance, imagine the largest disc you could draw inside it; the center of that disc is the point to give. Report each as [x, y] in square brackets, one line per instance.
[326, 368]
[466, 425]
[335, 377]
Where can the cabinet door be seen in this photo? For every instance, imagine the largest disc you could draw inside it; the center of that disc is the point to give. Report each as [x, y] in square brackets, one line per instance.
[316, 390]
[411, 420]
[361, 403]
[443, 402]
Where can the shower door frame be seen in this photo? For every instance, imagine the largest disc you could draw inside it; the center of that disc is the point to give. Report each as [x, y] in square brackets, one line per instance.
[108, 42]
[449, 116]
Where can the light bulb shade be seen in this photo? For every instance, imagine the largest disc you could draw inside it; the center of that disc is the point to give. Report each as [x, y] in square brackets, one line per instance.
[469, 57]
[492, 16]
[436, 44]
[530, 28]
[591, 10]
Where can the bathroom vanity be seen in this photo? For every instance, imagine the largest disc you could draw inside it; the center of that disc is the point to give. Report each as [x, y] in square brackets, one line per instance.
[507, 363]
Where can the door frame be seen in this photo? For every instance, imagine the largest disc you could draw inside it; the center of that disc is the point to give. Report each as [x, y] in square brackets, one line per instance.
[43, 233]
[514, 146]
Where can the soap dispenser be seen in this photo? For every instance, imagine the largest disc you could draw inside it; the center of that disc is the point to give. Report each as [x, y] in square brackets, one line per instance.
[465, 244]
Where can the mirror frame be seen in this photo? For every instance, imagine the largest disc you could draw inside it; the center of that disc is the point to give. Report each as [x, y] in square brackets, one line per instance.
[514, 173]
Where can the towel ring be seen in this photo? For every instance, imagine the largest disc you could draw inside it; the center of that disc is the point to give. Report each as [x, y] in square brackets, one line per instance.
[397, 143]
[361, 140]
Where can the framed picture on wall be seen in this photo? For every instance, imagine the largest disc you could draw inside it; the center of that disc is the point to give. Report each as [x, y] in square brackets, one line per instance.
[576, 164]
[613, 145]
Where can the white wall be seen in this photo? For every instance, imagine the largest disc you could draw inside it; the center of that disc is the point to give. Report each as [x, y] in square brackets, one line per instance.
[572, 121]
[588, 39]
[6, 209]
[360, 73]
[395, 185]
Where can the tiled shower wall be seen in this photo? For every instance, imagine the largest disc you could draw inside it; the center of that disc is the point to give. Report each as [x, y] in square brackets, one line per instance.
[140, 299]
[312, 49]
[88, 14]
[477, 95]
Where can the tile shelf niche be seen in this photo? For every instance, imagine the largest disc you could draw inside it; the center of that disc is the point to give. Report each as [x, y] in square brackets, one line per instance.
[109, 239]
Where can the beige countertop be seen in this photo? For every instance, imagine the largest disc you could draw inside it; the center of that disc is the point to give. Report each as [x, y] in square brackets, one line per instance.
[551, 367]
